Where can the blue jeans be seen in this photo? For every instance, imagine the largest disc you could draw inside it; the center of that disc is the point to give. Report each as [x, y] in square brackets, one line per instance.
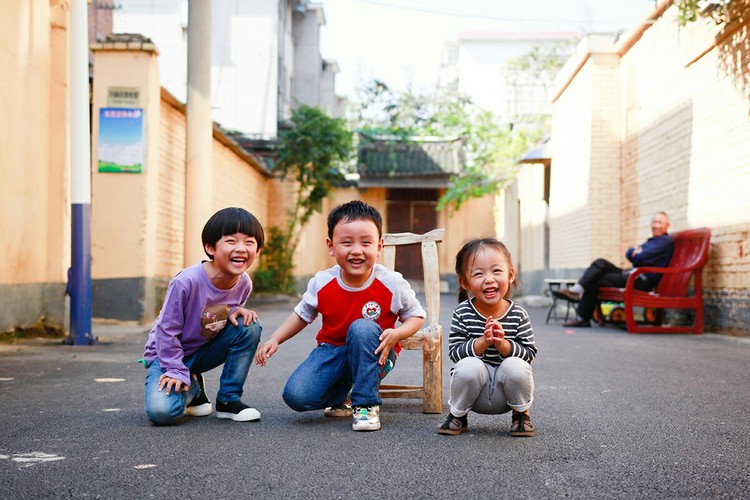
[234, 347]
[325, 377]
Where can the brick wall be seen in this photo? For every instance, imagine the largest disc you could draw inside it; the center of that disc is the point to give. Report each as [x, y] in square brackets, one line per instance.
[170, 233]
[684, 100]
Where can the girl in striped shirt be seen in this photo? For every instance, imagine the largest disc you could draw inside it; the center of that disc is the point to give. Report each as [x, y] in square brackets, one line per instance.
[491, 342]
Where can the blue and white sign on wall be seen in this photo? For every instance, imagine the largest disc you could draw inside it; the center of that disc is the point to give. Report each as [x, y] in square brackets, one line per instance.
[121, 147]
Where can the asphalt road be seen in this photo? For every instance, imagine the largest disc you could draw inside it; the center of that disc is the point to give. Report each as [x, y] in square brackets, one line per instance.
[617, 416]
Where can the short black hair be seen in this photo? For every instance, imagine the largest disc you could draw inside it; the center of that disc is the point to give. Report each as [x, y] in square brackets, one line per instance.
[228, 221]
[354, 210]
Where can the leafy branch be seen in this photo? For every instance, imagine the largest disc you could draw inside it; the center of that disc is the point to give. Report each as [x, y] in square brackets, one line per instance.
[313, 150]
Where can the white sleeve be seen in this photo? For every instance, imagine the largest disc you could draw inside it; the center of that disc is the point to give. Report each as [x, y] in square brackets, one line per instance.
[407, 305]
[307, 309]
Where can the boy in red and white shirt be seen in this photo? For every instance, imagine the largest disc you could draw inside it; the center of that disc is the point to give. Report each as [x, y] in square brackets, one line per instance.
[360, 302]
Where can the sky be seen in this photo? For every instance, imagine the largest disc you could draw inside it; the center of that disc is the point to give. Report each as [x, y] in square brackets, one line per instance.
[401, 41]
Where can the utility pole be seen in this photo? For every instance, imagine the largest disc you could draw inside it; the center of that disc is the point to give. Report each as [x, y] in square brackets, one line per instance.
[198, 185]
[79, 275]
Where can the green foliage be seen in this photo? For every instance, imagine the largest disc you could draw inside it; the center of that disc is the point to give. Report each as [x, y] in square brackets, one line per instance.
[492, 148]
[497, 150]
[273, 273]
[313, 150]
[692, 10]
[539, 66]
[383, 111]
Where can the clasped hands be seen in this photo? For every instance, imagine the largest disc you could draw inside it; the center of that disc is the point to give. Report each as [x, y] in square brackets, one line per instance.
[493, 333]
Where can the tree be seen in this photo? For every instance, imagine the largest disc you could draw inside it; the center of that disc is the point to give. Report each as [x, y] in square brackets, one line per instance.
[492, 147]
[313, 149]
[716, 10]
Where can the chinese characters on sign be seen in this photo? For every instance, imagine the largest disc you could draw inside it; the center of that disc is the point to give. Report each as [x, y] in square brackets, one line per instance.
[123, 97]
[121, 147]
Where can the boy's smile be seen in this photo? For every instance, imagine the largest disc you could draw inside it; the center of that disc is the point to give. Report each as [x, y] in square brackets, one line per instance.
[356, 246]
[232, 255]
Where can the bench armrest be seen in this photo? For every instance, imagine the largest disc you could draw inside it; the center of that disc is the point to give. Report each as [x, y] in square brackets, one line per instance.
[658, 270]
[630, 284]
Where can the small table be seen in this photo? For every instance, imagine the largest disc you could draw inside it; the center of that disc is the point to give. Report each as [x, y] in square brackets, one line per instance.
[556, 284]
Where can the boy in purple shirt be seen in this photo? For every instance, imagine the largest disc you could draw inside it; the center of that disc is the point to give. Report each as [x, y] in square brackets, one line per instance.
[203, 324]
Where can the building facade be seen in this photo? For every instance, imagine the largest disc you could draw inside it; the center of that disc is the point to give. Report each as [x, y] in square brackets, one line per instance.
[657, 121]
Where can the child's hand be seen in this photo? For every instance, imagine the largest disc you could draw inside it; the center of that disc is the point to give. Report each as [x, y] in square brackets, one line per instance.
[265, 351]
[172, 383]
[388, 339]
[246, 314]
[493, 332]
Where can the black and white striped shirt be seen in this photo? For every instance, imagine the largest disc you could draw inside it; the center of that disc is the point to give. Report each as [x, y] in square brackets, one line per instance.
[467, 325]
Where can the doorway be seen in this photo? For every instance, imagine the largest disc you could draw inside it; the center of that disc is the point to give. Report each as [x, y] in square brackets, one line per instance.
[410, 211]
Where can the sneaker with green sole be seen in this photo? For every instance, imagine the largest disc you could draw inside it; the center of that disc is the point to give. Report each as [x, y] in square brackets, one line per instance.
[366, 418]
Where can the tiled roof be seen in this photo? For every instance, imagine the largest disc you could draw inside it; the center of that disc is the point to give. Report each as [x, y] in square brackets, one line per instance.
[389, 158]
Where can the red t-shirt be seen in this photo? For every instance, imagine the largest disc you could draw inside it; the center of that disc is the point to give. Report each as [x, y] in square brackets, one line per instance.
[385, 298]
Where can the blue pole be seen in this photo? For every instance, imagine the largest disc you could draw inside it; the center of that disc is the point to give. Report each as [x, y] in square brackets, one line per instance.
[80, 276]
[79, 280]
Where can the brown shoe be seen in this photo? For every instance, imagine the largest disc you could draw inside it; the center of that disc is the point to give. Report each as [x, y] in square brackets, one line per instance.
[566, 294]
[454, 425]
[578, 323]
[521, 425]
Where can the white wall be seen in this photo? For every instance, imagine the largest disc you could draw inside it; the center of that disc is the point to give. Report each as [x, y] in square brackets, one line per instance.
[244, 52]
[481, 65]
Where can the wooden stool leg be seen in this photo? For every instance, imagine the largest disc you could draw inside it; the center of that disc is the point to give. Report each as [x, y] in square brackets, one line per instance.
[432, 368]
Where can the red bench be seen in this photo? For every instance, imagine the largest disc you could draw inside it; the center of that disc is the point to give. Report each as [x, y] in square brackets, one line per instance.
[689, 257]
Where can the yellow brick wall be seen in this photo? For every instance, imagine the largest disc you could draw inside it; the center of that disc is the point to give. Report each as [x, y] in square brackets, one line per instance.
[687, 146]
[170, 233]
[569, 205]
[684, 101]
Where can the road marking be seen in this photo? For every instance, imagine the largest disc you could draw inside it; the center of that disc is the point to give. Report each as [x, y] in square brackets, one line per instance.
[6, 379]
[111, 409]
[145, 466]
[107, 380]
[32, 458]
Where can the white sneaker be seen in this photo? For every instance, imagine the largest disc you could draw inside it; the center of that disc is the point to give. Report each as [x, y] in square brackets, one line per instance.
[237, 411]
[200, 406]
[366, 418]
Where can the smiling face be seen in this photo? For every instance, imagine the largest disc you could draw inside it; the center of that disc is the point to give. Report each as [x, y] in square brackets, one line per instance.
[659, 225]
[488, 278]
[231, 256]
[356, 247]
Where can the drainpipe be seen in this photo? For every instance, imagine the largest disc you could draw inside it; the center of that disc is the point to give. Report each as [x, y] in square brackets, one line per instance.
[198, 184]
[79, 276]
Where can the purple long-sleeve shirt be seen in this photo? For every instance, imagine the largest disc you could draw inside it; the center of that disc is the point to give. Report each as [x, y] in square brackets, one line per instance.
[194, 311]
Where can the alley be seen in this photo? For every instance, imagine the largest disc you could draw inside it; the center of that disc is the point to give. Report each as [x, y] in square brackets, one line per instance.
[617, 416]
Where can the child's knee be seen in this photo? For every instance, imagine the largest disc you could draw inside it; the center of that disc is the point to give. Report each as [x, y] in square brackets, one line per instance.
[516, 370]
[248, 335]
[253, 331]
[468, 369]
[162, 411]
[363, 329]
[294, 398]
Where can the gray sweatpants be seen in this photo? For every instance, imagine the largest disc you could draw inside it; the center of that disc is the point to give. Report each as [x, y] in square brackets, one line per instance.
[489, 389]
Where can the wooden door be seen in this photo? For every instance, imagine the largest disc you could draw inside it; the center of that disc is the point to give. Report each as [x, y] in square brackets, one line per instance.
[410, 211]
